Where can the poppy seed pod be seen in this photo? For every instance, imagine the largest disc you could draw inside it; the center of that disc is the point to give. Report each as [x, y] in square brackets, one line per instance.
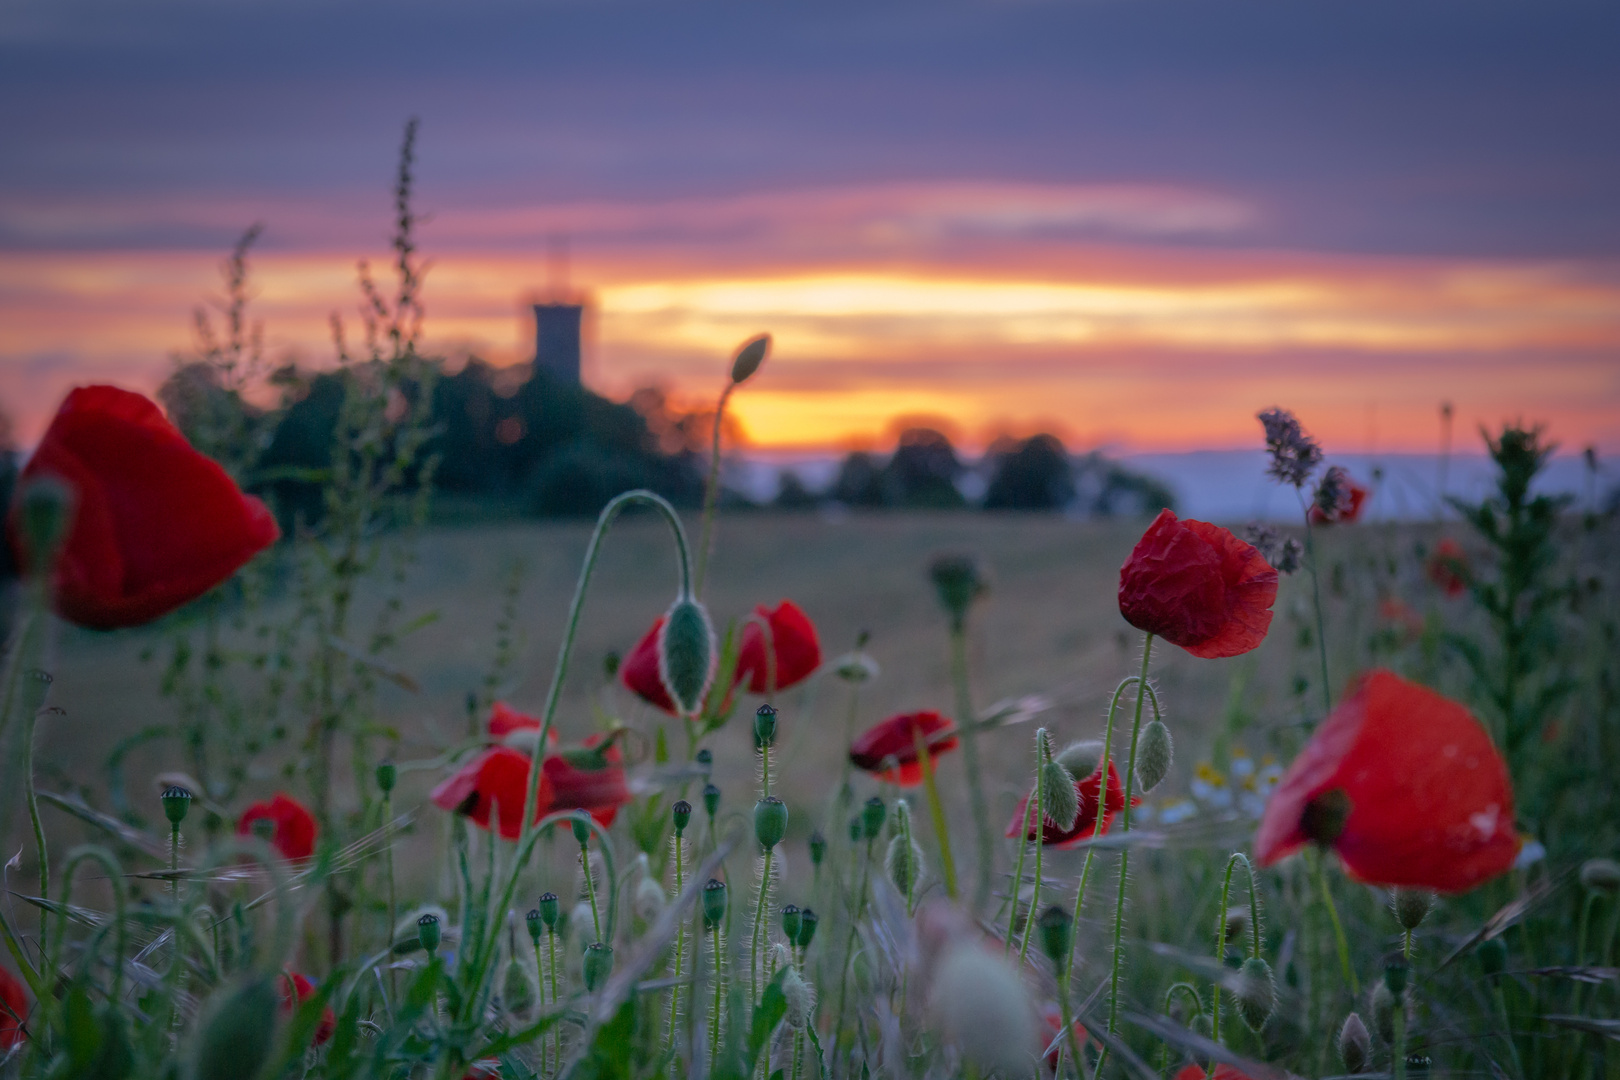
[598, 964]
[1057, 933]
[1411, 906]
[872, 817]
[686, 654]
[680, 814]
[387, 776]
[1600, 876]
[807, 927]
[535, 923]
[549, 909]
[1492, 955]
[1355, 1044]
[749, 356]
[1153, 756]
[235, 1031]
[958, 581]
[818, 848]
[711, 801]
[903, 863]
[581, 826]
[770, 821]
[1060, 799]
[428, 932]
[714, 903]
[176, 801]
[790, 922]
[764, 726]
[1256, 993]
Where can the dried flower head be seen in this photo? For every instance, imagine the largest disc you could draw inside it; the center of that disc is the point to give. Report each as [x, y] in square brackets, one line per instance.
[1294, 454]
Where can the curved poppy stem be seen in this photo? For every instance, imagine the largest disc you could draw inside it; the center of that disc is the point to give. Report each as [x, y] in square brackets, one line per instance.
[711, 490]
[1220, 931]
[1042, 752]
[936, 811]
[1102, 801]
[115, 873]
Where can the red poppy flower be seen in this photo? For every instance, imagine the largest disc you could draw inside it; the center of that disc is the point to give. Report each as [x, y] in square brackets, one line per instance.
[294, 989]
[13, 1010]
[1355, 496]
[1399, 614]
[1404, 784]
[493, 786]
[294, 834]
[1085, 822]
[889, 749]
[639, 672]
[155, 523]
[1447, 567]
[1198, 586]
[798, 651]
[486, 1069]
[1222, 1071]
[504, 720]
[584, 779]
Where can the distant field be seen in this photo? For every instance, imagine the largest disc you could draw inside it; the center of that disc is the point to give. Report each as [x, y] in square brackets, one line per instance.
[1049, 626]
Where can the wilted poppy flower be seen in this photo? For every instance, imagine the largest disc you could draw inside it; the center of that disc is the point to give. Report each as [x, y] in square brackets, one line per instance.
[493, 786]
[294, 989]
[294, 826]
[13, 1010]
[798, 651]
[1198, 586]
[889, 749]
[589, 778]
[1085, 822]
[1447, 567]
[1404, 784]
[155, 523]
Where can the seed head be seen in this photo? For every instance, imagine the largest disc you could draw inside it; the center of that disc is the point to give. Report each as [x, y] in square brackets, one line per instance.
[387, 776]
[176, 801]
[1265, 539]
[1256, 992]
[791, 922]
[598, 964]
[1153, 756]
[581, 825]
[1294, 454]
[686, 654]
[711, 801]
[1355, 1044]
[428, 932]
[818, 848]
[958, 581]
[714, 903]
[764, 726]
[770, 821]
[1396, 970]
[681, 813]
[873, 815]
[549, 909]
[536, 924]
[807, 927]
[1290, 557]
[1411, 906]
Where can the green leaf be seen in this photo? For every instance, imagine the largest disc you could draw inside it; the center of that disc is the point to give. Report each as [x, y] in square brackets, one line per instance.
[772, 1007]
[609, 1055]
[81, 1032]
[815, 1043]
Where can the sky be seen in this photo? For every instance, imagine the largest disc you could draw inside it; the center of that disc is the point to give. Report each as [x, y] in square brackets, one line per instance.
[1130, 222]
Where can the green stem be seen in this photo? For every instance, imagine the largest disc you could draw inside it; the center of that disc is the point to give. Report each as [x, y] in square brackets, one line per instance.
[759, 923]
[1321, 622]
[393, 904]
[1220, 931]
[1102, 805]
[714, 1013]
[1040, 828]
[970, 757]
[711, 490]
[1339, 940]
[1399, 1049]
[849, 946]
[680, 944]
[936, 812]
[556, 1032]
[590, 888]
[1018, 877]
[1067, 1014]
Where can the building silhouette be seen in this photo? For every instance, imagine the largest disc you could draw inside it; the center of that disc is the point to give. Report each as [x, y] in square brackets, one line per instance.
[557, 340]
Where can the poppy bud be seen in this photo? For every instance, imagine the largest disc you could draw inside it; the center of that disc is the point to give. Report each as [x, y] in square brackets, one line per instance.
[1057, 932]
[749, 356]
[1411, 906]
[1153, 756]
[387, 776]
[686, 654]
[535, 923]
[711, 801]
[582, 828]
[1256, 993]
[428, 932]
[818, 848]
[517, 989]
[904, 864]
[872, 817]
[1492, 954]
[1326, 815]
[1060, 799]
[598, 964]
[807, 927]
[1081, 758]
[764, 726]
[176, 801]
[714, 903]
[770, 821]
[235, 1032]
[1396, 969]
[1355, 1044]
[649, 899]
[790, 923]
[680, 814]
[1383, 1010]
[549, 909]
[801, 999]
[1601, 875]
[705, 759]
[1237, 922]
[958, 581]
[46, 511]
[978, 1001]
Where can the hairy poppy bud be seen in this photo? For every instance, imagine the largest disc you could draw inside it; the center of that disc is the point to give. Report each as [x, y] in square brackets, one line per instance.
[1257, 992]
[428, 932]
[1057, 932]
[517, 989]
[801, 999]
[711, 801]
[598, 964]
[749, 356]
[1081, 758]
[176, 801]
[818, 848]
[535, 923]
[681, 813]
[235, 1031]
[1153, 756]
[764, 726]
[958, 581]
[1237, 922]
[581, 825]
[770, 821]
[807, 927]
[649, 899]
[1060, 799]
[903, 862]
[1411, 906]
[1383, 1010]
[791, 920]
[1601, 875]
[978, 1001]
[1493, 956]
[714, 903]
[1355, 1044]
[387, 776]
[549, 909]
[872, 817]
[686, 654]
[1396, 969]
